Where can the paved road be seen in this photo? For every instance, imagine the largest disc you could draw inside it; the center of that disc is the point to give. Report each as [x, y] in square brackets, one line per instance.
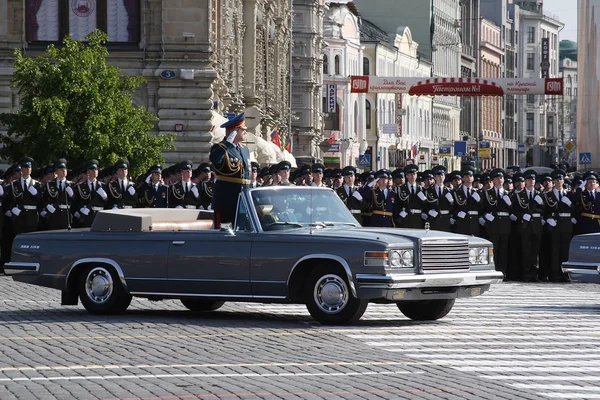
[526, 341]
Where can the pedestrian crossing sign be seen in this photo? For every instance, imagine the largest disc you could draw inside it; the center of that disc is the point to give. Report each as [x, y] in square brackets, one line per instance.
[585, 158]
[364, 160]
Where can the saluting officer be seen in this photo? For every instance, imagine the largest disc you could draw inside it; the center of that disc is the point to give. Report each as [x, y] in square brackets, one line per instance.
[383, 202]
[153, 193]
[184, 193]
[58, 198]
[23, 200]
[232, 165]
[439, 201]
[350, 194]
[90, 196]
[559, 222]
[412, 200]
[496, 218]
[121, 192]
[587, 205]
[467, 205]
[397, 180]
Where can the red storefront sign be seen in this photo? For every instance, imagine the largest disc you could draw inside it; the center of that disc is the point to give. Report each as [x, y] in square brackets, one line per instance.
[456, 86]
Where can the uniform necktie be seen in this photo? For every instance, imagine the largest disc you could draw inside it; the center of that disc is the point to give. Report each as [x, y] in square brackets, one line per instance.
[122, 187]
[530, 196]
[412, 189]
[560, 195]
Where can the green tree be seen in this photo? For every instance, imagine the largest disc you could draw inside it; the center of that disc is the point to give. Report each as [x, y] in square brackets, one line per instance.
[74, 105]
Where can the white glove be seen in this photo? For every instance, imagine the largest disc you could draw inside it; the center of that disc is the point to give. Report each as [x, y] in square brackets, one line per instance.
[424, 216]
[1, 190]
[84, 210]
[551, 222]
[573, 221]
[16, 211]
[178, 207]
[543, 222]
[526, 217]
[461, 214]
[102, 193]
[357, 195]
[538, 200]
[77, 215]
[449, 197]
[489, 217]
[115, 206]
[32, 190]
[566, 200]
[513, 217]
[452, 221]
[209, 207]
[433, 213]
[51, 208]
[481, 221]
[8, 213]
[43, 214]
[475, 195]
[370, 184]
[69, 191]
[201, 208]
[507, 200]
[195, 191]
[421, 196]
[403, 214]
[147, 180]
[131, 190]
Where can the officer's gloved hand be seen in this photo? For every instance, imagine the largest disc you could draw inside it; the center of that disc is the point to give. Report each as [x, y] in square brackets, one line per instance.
[566, 200]
[43, 214]
[195, 191]
[51, 208]
[102, 193]
[32, 190]
[421, 196]
[452, 221]
[1, 190]
[433, 213]
[526, 217]
[370, 184]
[475, 195]
[507, 200]
[461, 214]
[69, 191]
[538, 199]
[573, 220]
[403, 214]
[489, 217]
[15, 211]
[513, 217]
[551, 222]
[424, 216]
[449, 198]
[481, 221]
[85, 210]
[131, 190]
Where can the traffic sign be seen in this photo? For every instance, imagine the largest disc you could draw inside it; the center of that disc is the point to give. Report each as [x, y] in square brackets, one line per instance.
[445, 151]
[334, 148]
[521, 148]
[585, 158]
[485, 150]
[364, 160]
[460, 148]
[570, 146]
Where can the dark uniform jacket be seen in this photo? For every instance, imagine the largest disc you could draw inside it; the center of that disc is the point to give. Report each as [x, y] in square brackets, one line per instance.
[384, 209]
[90, 200]
[412, 205]
[438, 206]
[56, 198]
[27, 202]
[353, 202]
[206, 193]
[465, 210]
[232, 166]
[559, 207]
[153, 197]
[178, 197]
[529, 212]
[118, 197]
[587, 209]
[498, 208]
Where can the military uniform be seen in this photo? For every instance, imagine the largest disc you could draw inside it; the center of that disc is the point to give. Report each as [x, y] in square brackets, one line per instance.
[497, 208]
[587, 207]
[466, 208]
[153, 195]
[232, 165]
[90, 197]
[439, 202]
[23, 200]
[383, 204]
[351, 197]
[411, 202]
[57, 200]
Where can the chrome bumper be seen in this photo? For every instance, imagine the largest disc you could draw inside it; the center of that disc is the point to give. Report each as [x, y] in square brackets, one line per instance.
[21, 268]
[583, 272]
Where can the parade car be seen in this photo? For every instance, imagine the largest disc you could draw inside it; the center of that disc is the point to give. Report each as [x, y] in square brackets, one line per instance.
[584, 263]
[288, 244]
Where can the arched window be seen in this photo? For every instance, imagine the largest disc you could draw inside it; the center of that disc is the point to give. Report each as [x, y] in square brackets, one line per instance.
[325, 65]
[366, 66]
[337, 65]
[368, 113]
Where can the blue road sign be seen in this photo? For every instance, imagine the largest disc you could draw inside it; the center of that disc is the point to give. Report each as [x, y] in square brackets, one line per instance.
[585, 158]
[460, 148]
[521, 148]
[168, 74]
[364, 160]
[484, 145]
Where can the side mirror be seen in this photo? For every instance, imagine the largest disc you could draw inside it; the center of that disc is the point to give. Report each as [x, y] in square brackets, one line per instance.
[227, 227]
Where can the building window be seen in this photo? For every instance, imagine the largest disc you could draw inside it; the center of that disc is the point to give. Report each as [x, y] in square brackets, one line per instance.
[366, 66]
[325, 65]
[530, 98]
[368, 114]
[550, 126]
[52, 20]
[529, 127]
[531, 34]
[569, 91]
[337, 65]
[530, 61]
[332, 120]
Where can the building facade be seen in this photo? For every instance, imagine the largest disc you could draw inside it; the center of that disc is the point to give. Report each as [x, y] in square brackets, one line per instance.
[568, 108]
[200, 58]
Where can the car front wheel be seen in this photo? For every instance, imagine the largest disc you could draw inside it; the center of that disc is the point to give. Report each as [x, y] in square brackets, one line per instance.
[426, 310]
[201, 305]
[101, 291]
[329, 300]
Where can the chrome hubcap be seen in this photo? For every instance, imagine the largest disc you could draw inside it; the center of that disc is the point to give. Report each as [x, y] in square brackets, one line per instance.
[99, 285]
[331, 294]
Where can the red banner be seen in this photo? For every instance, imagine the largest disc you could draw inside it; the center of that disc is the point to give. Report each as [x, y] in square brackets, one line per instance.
[456, 86]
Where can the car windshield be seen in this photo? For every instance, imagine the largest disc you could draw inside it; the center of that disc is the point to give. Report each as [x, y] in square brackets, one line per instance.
[292, 208]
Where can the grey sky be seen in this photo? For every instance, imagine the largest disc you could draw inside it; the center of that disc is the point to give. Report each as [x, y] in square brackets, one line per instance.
[566, 11]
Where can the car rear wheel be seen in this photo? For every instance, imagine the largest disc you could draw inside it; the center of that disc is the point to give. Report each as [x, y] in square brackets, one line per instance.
[201, 305]
[329, 300]
[426, 310]
[101, 291]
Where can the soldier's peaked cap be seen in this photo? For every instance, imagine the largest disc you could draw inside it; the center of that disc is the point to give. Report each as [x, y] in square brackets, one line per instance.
[558, 174]
[318, 167]
[204, 167]
[468, 170]
[348, 170]
[91, 164]
[336, 173]
[186, 164]
[439, 169]
[284, 165]
[60, 163]
[411, 168]
[529, 174]
[497, 173]
[26, 162]
[382, 173]
[590, 175]
[398, 173]
[155, 168]
[122, 163]
[239, 121]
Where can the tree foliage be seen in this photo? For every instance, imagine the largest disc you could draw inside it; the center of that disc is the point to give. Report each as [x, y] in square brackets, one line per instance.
[74, 105]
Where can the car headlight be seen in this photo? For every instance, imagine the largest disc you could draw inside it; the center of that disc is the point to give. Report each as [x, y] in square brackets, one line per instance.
[401, 258]
[479, 255]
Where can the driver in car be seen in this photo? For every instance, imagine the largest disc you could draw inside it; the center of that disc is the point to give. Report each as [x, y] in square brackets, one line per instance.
[279, 213]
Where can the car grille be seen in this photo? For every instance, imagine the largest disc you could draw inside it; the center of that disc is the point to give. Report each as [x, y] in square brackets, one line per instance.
[444, 254]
